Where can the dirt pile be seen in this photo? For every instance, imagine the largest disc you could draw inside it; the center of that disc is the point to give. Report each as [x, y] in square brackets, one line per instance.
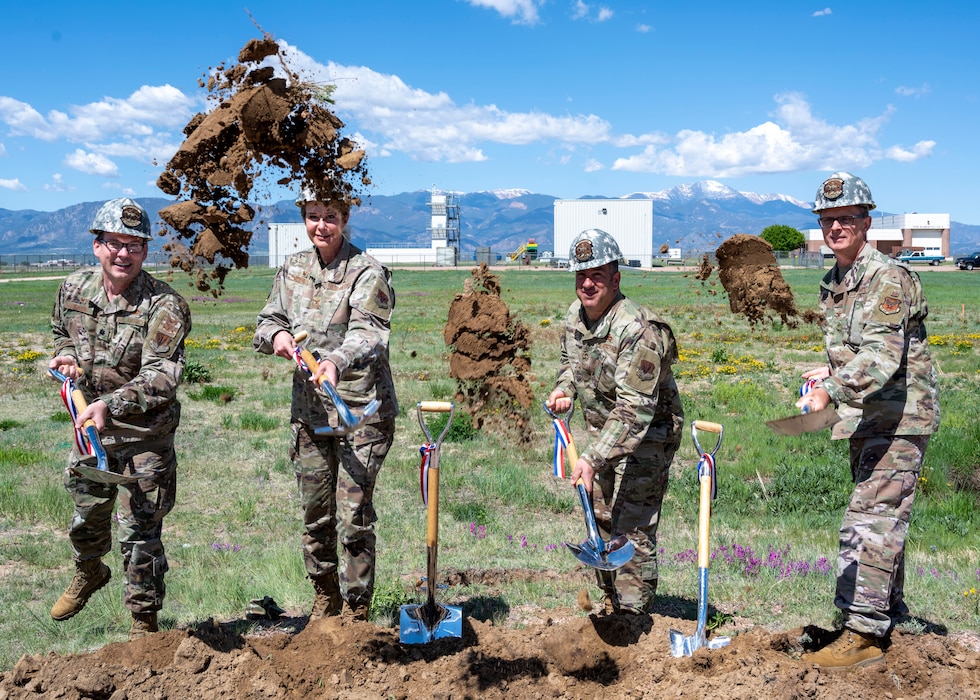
[562, 655]
[260, 128]
[490, 357]
[750, 274]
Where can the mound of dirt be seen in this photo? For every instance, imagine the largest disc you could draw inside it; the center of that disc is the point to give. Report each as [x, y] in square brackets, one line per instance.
[490, 357]
[750, 274]
[558, 655]
[259, 125]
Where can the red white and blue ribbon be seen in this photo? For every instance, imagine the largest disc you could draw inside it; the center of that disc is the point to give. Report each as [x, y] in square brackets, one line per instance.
[426, 452]
[81, 441]
[706, 468]
[302, 365]
[562, 438]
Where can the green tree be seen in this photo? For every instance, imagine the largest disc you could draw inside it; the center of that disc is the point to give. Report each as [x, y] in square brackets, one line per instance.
[783, 237]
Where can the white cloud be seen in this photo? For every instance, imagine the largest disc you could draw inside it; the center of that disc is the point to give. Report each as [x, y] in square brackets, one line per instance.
[57, 184]
[794, 140]
[523, 11]
[124, 190]
[918, 92]
[822, 13]
[592, 165]
[919, 150]
[582, 10]
[431, 126]
[91, 163]
[3, 150]
[15, 185]
[643, 28]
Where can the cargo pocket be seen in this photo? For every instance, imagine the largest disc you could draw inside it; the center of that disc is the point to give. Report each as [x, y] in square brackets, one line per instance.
[876, 569]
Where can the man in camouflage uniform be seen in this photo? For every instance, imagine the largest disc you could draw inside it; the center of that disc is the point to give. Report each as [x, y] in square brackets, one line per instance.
[616, 358]
[880, 377]
[343, 299]
[120, 334]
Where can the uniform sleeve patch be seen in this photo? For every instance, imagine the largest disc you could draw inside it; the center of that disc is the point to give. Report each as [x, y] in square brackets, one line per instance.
[890, 305]
[161, 335]
[644, 370]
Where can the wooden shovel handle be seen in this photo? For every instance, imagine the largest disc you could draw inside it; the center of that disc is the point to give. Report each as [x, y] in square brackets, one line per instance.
[435, 406]
[708, 426]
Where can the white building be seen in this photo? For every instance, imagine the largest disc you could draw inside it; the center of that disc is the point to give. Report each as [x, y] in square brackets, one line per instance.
[890, 234]
[629, 221]
[286, 239]
[444, 230]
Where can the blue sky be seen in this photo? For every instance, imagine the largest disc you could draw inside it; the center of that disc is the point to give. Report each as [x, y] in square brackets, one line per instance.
[560, 97]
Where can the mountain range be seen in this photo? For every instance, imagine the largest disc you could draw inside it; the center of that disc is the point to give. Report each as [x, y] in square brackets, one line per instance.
[694, 217]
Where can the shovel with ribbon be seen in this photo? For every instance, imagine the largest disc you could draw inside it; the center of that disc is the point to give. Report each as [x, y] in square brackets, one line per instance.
[594, 552]
[87, 440]
[421, 624]
[309, 363]
[681, 645]
[806, 421]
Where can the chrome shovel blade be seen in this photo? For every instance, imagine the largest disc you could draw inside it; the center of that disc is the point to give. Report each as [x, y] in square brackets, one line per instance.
[421, 624]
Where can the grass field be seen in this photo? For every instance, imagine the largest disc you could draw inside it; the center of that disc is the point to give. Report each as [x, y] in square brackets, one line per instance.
[234, 534]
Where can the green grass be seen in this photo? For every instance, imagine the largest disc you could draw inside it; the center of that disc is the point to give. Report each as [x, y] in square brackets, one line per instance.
[234, 534]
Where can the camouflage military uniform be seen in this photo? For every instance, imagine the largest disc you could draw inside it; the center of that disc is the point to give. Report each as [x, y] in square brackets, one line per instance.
[886, 390]
[619, 368]
[346, 309]
[130, 354]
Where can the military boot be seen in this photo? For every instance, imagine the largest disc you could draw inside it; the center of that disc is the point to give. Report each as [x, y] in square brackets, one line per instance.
[90, 576]
[328, 600]
[850, 650]
[143, 624]
[357, 612]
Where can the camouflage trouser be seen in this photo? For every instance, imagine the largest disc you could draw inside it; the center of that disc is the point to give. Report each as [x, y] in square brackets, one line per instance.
[871, 558]
[336, 477]
[627, 498]
[142, 507]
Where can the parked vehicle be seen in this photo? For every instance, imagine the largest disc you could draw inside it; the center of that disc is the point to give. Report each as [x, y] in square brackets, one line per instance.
[968, 262]
[923, 256]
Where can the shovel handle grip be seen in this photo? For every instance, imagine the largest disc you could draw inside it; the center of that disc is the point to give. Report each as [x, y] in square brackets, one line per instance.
[708, 426]
[81, 404]
[301, 336]
[435, 406]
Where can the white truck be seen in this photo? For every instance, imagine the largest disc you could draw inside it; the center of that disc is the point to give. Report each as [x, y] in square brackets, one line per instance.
[932, 257]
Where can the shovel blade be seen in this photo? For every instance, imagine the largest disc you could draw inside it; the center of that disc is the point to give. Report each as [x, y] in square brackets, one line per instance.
[421, 624]
[804, 422]
[603, 561]
[684, 645]
[104, 476]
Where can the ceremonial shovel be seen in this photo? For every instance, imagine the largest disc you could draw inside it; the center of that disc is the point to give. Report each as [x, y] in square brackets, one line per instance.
[679, 644]
[594, 552]
[310, 363]
[807, 421]
[87, 438]
[421, 624]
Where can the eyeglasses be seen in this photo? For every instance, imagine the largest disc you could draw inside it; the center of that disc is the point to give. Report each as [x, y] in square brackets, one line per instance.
[845, 221]
[116, 246]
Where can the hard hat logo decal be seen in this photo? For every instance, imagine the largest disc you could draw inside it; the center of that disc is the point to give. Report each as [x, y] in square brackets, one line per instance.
[833, 188]
[583, 250]
[131, 216]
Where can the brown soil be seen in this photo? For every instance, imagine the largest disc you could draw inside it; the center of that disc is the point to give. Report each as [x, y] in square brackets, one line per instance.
[278, 128]
[750, 274]
[556, 654]
[490, 357]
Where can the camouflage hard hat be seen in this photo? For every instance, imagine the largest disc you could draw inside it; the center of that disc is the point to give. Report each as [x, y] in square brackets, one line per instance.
[843, 190]
[123, 216]
[592, 248]
[309, 193]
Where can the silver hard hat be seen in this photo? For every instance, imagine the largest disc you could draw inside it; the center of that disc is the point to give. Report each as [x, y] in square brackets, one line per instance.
[592, 248]
[843, 190]
[123, 216]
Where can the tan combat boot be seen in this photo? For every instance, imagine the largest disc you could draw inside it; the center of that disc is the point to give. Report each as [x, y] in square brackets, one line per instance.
[143, 624]
[850, 650]
[357, 613]
[90, 576]
[328, 601]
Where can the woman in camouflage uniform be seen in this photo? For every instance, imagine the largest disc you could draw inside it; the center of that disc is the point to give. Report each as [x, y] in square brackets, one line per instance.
[343, 299]
[881, 379]
[120, 333]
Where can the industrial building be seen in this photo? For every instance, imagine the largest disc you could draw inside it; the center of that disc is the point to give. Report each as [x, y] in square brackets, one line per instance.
[286, 239]
[893, 233]
[629, 221]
